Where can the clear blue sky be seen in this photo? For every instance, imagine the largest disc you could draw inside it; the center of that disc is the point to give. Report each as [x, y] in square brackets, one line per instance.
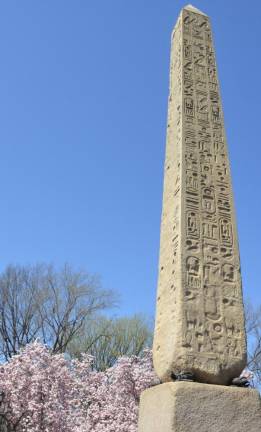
[83, 104]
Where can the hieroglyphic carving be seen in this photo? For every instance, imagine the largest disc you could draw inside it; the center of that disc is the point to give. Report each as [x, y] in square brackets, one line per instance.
[226, 235]
[200, 270]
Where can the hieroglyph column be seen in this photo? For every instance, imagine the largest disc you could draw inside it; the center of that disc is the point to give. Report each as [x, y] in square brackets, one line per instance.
[200, 317]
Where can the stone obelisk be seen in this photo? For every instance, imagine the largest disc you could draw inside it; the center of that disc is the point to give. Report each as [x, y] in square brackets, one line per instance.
[200, 318]
[200, 327]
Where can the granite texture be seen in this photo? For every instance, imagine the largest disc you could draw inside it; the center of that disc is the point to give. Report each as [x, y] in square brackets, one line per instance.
[194, 407]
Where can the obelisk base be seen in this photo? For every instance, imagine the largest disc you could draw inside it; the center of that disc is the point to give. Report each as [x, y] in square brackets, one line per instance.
[194, 407]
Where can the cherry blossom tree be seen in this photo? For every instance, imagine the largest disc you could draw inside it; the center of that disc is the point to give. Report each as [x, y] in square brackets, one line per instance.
[45, 392]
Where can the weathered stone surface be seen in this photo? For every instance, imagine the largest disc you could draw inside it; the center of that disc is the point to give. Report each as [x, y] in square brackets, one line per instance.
[200, 317]
[194, 407]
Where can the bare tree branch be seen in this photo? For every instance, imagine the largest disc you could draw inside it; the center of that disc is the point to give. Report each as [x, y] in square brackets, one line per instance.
[42, 302]
[253, 328]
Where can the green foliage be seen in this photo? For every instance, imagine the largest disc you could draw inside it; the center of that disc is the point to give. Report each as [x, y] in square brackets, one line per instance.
[107, 339]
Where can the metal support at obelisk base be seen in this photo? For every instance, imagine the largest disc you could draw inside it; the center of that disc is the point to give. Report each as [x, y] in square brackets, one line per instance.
[200, 327]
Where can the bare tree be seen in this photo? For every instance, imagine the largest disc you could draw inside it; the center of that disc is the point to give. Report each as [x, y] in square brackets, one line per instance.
[253, 329]
[42, 302]
[108, 339]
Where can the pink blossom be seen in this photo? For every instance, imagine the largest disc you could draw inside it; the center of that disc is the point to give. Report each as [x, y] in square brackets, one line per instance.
[47, 393]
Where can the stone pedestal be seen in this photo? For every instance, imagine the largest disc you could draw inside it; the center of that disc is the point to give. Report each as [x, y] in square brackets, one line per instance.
[194, 407]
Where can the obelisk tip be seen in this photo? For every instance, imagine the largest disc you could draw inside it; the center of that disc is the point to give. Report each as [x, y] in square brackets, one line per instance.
[193, 9]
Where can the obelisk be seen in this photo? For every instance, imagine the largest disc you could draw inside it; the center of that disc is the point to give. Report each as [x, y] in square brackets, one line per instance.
[200, 326]
[200, 317]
